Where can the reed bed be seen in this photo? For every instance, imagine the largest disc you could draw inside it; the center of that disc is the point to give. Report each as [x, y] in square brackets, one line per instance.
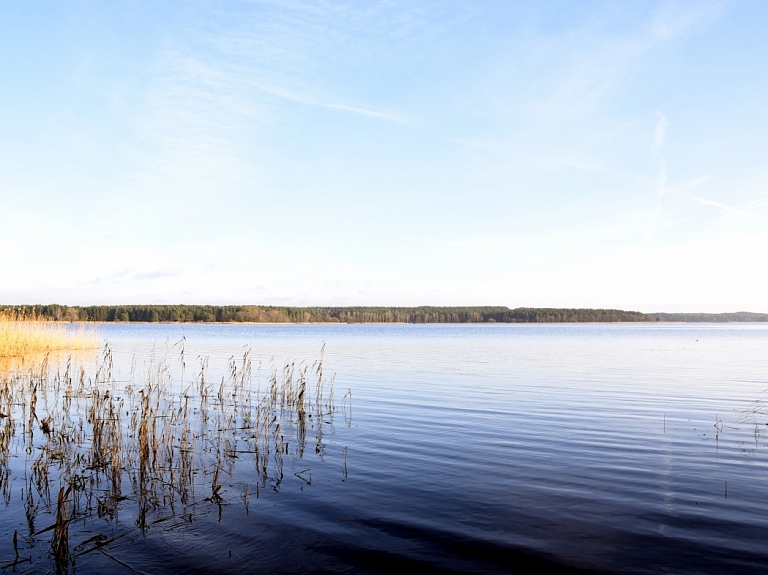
[24, 336]
[155, 448]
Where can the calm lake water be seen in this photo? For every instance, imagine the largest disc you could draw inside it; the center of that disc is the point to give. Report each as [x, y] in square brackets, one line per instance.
[614, 448]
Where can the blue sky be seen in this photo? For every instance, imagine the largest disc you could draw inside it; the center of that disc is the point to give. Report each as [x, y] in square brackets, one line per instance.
[569, 154]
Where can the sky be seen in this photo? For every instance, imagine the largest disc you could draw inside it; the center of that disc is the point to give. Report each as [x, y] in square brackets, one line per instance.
[607, 154]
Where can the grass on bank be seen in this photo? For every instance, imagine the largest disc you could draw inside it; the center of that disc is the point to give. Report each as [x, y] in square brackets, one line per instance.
[22, 335]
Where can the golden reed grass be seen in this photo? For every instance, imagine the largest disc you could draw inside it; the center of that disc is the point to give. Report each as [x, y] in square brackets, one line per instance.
[26, 335]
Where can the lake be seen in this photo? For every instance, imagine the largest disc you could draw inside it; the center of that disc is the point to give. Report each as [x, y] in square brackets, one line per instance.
[616, 448]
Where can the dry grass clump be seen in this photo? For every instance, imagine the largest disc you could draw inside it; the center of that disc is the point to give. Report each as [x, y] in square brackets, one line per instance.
[26, 335]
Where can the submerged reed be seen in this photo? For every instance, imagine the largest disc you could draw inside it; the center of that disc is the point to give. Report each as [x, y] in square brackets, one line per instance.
[156, 448]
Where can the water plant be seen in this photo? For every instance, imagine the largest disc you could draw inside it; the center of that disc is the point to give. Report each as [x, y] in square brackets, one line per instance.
[153, 448]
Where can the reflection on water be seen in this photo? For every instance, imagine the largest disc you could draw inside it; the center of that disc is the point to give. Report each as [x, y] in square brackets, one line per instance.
[105, 458]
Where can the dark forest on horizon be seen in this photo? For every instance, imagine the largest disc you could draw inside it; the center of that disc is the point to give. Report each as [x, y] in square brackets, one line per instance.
[357, 314]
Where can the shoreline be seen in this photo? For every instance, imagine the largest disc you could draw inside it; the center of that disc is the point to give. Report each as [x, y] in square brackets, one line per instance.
[344, 323]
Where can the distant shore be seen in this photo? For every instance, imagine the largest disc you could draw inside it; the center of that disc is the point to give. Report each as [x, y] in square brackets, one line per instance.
[259, 314]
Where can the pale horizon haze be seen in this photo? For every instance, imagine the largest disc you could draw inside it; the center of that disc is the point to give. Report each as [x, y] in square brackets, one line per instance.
[547, 154]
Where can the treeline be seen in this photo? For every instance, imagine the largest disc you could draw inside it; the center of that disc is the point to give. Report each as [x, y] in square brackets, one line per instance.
[278, 314]
[360, 314]
[710, 317]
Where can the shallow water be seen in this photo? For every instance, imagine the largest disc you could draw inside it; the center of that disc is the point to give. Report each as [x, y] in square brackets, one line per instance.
[633, 448]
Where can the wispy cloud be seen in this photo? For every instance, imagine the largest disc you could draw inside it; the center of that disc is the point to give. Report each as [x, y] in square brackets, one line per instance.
[660, 133]
[689, 184]
[310, 101]
[213, 95]
[132, 275]
[607, 234]
[296, 50]
[596, 64]
[730, 209]
[664, 189]
[157, 274]
[676, 17]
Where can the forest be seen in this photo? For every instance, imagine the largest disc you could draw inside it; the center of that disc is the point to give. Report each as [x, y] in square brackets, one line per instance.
[358, 314]
[284, 314]
[710, 317]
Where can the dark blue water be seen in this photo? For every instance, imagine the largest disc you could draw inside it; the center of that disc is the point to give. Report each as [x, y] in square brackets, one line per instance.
[470, 448]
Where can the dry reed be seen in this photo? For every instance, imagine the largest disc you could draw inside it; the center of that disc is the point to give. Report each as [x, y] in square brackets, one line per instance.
[22, 336]
[155, 446]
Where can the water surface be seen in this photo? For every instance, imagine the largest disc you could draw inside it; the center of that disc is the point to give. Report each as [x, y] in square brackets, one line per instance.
[630, 448]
